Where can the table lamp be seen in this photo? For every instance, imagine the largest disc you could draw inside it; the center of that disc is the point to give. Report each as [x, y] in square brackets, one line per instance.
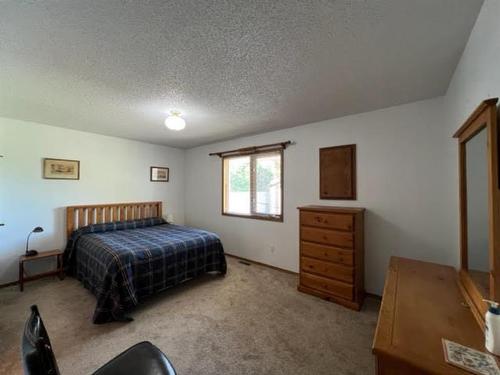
[30, 253]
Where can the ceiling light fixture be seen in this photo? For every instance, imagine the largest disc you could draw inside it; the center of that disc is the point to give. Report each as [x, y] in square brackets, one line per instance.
[174, 121]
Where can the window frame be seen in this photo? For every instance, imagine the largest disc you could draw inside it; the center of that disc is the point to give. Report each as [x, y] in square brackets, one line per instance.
[254, 215]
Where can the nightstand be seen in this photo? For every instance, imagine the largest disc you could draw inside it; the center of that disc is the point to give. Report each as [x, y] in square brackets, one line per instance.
[41, 255]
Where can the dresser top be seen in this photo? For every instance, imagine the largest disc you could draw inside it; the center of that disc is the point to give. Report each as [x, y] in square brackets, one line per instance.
[350, 210]
[422, 304]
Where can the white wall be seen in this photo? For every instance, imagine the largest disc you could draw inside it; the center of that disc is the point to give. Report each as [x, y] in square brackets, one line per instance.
[400, 182]
[111, 170]
[477, 76]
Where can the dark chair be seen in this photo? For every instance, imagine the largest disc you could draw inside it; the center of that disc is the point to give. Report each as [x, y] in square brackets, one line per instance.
[38, 359]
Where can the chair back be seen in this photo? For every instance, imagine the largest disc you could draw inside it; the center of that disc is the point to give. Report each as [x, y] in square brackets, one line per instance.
[38, 358]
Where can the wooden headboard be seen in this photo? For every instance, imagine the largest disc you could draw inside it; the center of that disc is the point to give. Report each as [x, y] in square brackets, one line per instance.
[80, 216]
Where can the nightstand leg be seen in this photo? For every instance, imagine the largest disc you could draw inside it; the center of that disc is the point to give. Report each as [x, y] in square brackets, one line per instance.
[60, 267]
[21, 276]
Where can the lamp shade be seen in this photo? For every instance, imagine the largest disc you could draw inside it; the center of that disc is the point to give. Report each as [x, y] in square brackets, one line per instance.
[37, 230]
[175, 121]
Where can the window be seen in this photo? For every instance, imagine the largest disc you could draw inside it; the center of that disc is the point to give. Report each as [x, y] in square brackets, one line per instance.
[253, 185]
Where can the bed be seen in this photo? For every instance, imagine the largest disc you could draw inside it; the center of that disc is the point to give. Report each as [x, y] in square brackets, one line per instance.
[124, 253]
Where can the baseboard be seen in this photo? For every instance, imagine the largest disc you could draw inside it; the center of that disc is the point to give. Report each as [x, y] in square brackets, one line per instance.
[9, 284]
[369, 295]
[261, 264]
[374, 296]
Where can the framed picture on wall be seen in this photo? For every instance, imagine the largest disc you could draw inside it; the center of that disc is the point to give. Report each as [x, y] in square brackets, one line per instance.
[61, 169]
[159, 174]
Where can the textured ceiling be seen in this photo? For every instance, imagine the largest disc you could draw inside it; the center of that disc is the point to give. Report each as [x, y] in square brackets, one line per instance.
[233, 67]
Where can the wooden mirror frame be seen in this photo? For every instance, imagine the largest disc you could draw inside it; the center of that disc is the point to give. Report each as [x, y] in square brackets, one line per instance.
[484, 117]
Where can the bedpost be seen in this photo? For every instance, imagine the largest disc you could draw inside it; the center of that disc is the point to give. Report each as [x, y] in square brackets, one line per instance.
[70, 221]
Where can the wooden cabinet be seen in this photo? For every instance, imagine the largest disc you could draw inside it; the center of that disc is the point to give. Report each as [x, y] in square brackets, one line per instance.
[337, 172]
[421, 305]
[332, 254]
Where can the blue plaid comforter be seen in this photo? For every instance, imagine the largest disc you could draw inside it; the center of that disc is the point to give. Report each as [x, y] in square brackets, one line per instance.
[122, 263]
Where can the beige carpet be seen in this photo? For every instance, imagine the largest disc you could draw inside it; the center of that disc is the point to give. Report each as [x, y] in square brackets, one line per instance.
[253, 321]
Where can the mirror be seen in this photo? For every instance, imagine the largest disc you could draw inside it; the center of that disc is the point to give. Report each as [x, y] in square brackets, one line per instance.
[476, 181]
[479, 178]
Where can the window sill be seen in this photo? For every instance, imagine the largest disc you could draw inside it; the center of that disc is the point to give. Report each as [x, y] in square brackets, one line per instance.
[276, 218]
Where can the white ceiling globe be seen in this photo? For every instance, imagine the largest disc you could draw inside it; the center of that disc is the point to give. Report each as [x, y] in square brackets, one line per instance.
[175, 121]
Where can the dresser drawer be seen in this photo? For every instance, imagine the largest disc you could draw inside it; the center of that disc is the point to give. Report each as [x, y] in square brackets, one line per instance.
[331, 270]
[329, 253]
[328, 237]
[326, 220]
[334, 287]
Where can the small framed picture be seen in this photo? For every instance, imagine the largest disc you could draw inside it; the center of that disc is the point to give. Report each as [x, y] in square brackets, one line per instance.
[159, 174]
[61, 169]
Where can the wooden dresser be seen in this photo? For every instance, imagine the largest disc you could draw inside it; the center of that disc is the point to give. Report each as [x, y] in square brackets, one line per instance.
[332, 253]
[422, 304]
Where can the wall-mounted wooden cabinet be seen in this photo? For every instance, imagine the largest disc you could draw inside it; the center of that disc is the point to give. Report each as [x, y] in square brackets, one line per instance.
[337, 172]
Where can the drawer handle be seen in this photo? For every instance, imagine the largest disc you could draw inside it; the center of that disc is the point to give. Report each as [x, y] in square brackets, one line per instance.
[319, 219]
